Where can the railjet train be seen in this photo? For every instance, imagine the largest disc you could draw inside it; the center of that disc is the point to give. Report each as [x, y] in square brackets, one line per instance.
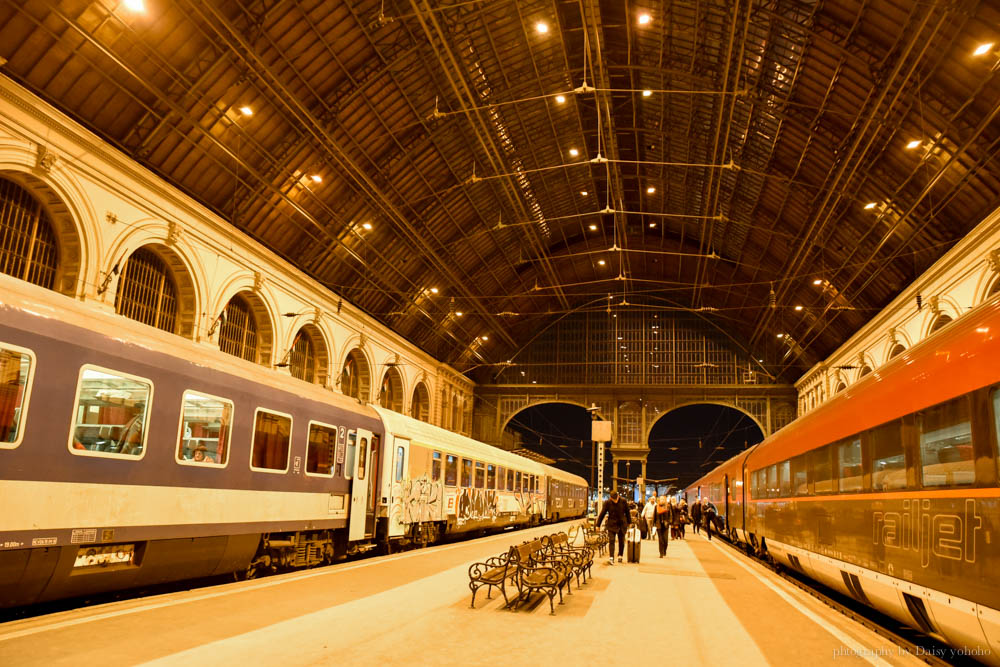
[889, 492]
[130, 457]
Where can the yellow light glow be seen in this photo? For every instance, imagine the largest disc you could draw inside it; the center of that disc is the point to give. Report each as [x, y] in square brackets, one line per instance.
[434, 290]
[135, 5]
[650, 190]
[818, 281]
[870, 205]
[644, 19]
[600, 262]
[246, 111]
[798, 307]
[647, 92]
[781, 335]
[485, 337]
[316, 178]
[583, 193]
[560, 98]
[652, 225]
[913, 144]
[593, 228]
[459, 313]
[574, 152]
[542, 27]
[982, 49]
[367, 225]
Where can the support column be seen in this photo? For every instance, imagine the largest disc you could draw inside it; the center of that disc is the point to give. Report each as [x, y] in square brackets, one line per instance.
[643, 486]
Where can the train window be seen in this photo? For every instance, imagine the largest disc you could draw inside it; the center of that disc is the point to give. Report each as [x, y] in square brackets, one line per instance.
[111, 414]
[491, 477]
[451, 470]
[755, 484]
[480, 475]
[517, 481]
[466, 472]
[785, 479]
[400, 461]
[272, 433]
[772, 481]
[17, 367]
[362, 458]
[501, 479]
[352, 449]
[510, 480]
[822, 471]
[436, 466]
[800, 477]
[888, 461]
[996, 413]
[946, 444]
[850, 472]
[320, 449]
[204, 431]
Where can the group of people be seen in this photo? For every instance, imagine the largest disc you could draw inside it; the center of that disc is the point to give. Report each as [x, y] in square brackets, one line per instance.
[660, 518]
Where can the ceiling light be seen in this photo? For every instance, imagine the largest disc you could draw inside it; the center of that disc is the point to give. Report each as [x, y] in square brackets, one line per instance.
[647, 92]
[781, 335]
[644, 18]
[459, 313]
[982, 48]
[246, 111]
[135, 5]
[574, 152]
[818, 281]
[583, 193]
[367, 226]
[913, 144]
[600, 262]
[593, 228]
[434, 290]
[650, 190]
[316, 178]
[870, 205]
[652, 225]
[485, 337]
[798, 307]
[560, 98]
[542, 27]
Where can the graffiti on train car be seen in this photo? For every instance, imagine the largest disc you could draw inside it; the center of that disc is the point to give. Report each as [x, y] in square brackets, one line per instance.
[476, 504]
[527, 503]
[416, 501]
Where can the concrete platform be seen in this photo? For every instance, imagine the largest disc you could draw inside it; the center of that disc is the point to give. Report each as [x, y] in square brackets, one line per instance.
[701, 605]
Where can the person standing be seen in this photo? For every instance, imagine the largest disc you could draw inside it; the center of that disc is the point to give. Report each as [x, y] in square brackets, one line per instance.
[683, 507]
[648, 512]
[709, 513]
[618, 519]
[661, 520]
[696, 514]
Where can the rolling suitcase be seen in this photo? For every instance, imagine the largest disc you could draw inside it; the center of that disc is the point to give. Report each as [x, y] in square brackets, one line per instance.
[633, 544]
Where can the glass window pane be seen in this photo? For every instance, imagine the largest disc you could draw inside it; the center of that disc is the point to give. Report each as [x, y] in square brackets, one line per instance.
[784, 479]
[510, 480]
[271, 436]
[822, 470]
[15, 371]
[517, 480]
[491, 477]
[362, 458]
[451, 471]
[501, 479]
[946, 444]
[888, 461]
[800, 477]
[466, 472]
[400, 454]
[849, 468]
[205, 428]
[111, 413]
[436, 467]
[772, 481]
[321, 449]
[996, 415]
[480, 475]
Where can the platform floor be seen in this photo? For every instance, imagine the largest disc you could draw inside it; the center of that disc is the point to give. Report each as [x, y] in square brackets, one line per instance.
[701, 605]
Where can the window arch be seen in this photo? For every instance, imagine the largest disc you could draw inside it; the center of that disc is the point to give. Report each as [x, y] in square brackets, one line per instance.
[147, 292]
[302, 357]
[28, 248]
[995, 289]
[456, 413]
[865, 370]
[355, 380]
[939, 322]
[391, 393]
[896, 350]
[840, 387]
[238, 333]
[420, 403]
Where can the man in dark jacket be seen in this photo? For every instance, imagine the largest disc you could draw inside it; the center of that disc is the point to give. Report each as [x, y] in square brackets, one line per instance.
[709, 512]
[617, 510]
[696, 514]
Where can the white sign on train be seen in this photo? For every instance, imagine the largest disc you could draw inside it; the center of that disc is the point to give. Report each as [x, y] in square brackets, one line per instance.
[104, 556]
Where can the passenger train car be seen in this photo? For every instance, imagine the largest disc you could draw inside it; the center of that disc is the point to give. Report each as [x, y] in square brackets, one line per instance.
[889, 492]
[129, 456]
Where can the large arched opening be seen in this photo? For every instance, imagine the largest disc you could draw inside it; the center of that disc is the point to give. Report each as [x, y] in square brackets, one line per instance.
[554, 433]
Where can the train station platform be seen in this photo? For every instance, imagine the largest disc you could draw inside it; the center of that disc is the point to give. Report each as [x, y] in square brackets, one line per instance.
[703, 604]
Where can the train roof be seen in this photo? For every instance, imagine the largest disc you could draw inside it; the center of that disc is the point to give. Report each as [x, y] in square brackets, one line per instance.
[733, 461]
[431, 436]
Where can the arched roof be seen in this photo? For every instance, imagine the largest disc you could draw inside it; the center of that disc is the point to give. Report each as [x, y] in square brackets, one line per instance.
[747, 168]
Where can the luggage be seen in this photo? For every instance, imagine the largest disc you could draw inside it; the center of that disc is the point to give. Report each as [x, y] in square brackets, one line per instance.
[633, 544]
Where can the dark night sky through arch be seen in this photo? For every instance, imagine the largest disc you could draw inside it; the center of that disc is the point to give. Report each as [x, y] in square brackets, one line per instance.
[556, 430]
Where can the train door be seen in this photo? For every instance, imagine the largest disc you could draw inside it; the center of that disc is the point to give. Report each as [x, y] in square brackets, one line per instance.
[360, 462]
[725, 492]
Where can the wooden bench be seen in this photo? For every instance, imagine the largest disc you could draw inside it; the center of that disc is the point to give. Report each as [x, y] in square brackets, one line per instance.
[537, 570]
[493, 573]
[580, 559]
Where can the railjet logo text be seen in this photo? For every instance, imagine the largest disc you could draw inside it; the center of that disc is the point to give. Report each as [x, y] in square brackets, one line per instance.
[951, 536]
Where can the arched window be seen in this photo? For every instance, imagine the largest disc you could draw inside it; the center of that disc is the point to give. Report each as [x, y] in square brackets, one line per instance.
[420, 403]
[146, 291]
[354, 378]
[28, 247]
[840, 387]
[456, 414]
[995, 289]
[391, 393]
[896, 350]
[302, 357]
[238, 333]
[939, 322]
[865, 370]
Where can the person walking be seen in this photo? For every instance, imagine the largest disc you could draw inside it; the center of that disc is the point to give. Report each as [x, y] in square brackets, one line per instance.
[648, 512]
[683, 507]
[696, 514]
[708, 511]
[661, 520]
[618, 519]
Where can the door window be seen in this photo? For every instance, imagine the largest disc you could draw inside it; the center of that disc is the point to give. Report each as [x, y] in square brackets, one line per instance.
[362, 457]
[16, 371]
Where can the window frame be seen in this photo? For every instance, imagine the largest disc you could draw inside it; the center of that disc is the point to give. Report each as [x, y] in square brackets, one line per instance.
[399, 467]
[450, 458]
[253, 442]
[26, 396]
[478, 475]
[333, 461]
[180, 432]
[461, 473]
[993, 403]
[919, 432]
[437, 466]
[850, 441]
[76, 406]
